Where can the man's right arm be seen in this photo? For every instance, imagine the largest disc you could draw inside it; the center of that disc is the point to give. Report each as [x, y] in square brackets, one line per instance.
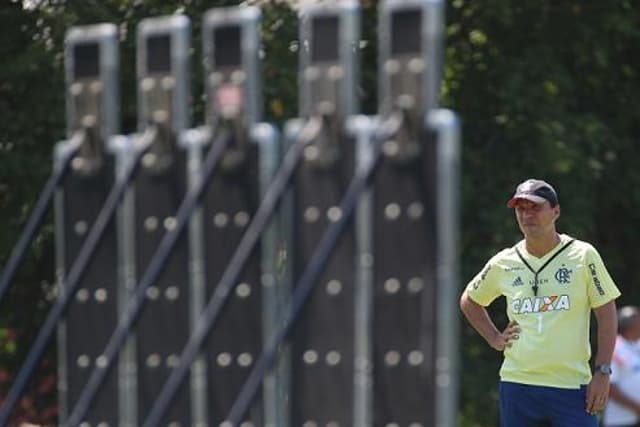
[479, 318]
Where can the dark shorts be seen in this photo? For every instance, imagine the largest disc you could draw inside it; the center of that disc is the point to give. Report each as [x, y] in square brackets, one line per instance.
[524, 405]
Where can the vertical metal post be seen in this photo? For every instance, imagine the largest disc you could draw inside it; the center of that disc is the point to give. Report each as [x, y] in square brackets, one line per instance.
[197, 278]
[123, 149]
[446, 126]
[363, 128]
[275, 279]
[60, 260]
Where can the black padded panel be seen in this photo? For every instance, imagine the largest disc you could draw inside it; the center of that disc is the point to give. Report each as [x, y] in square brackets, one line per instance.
[92, 313]
[163, 327]
[405, 292]
[322, 339]
[235, 342]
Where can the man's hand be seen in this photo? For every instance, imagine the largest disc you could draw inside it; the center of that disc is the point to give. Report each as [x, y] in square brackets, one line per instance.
[506, 338]
[598, 389]
[479, 318]
[597, 393]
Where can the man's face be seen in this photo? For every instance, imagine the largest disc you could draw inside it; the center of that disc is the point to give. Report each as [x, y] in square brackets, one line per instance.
[536, 219]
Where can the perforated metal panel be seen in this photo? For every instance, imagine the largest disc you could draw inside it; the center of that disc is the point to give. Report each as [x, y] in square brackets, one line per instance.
[92, 313]
[405, 291]
[163, 327]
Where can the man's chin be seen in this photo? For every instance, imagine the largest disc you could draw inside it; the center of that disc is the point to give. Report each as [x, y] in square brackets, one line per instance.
[531, 231]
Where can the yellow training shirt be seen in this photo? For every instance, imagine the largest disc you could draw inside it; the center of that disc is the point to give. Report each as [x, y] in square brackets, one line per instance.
[553, 349]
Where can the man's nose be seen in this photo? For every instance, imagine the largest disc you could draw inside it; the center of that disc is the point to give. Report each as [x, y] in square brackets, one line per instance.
[527, 213]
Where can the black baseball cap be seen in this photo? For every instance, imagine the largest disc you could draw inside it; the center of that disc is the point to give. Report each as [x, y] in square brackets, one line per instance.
[535, 190]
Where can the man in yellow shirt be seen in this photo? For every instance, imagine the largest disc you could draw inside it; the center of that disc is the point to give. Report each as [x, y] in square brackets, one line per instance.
[551, 282]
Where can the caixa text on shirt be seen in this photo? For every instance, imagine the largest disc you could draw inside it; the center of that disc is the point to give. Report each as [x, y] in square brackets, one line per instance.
[596, 281]
[541, 304]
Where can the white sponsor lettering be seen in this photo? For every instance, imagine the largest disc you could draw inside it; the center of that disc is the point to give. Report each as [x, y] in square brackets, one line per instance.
[540, 304]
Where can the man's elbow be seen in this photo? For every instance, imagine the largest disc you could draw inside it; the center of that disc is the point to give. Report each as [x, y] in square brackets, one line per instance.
[606, 313]
[466, 303]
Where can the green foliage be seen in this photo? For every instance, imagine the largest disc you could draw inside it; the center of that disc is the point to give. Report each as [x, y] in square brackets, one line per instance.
[544, 88]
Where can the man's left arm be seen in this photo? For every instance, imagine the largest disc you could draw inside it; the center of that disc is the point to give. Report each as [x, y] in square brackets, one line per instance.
[607, 326]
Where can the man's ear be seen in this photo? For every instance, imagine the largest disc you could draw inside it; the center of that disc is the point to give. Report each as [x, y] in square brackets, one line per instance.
[557, 209]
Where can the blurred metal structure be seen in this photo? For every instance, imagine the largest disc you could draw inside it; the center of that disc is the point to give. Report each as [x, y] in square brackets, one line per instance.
[446, 127]
[329, 263]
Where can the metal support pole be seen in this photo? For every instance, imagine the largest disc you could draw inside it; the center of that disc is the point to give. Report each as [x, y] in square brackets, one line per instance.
[363, 127]
[124, 150]
[447, 128]
[275, 278]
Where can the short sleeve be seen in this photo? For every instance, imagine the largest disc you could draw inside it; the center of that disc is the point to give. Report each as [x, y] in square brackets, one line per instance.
[600, 286]
[484, 287]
